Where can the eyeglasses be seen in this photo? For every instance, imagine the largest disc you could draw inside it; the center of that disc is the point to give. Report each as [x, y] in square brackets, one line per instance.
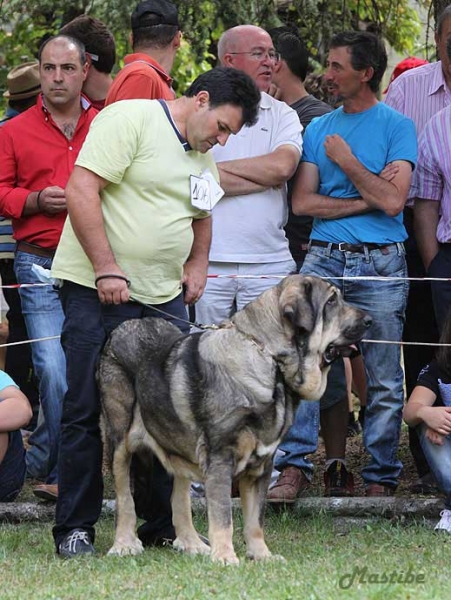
[94, 57]
[261, 54]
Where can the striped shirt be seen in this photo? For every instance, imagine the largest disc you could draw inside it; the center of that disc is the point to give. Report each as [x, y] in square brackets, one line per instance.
[419, 94]
[433, 173]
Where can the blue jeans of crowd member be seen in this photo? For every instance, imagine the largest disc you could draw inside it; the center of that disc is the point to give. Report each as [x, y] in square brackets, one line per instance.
[87, 326]
[439, 460]
[12, 468]
[302, 437]
[385, 301]
[43, 314]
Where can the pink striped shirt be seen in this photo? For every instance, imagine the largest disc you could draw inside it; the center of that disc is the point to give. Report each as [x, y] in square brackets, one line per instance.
[419, 94]
[432, 177]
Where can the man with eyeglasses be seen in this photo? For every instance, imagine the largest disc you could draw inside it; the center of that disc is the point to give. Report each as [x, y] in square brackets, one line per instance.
[248, 222]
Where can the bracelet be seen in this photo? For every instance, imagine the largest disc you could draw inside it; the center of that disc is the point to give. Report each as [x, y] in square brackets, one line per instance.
[112, 276]
[38, 205]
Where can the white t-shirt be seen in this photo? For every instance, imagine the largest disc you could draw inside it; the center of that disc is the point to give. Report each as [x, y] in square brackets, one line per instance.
[249, 228]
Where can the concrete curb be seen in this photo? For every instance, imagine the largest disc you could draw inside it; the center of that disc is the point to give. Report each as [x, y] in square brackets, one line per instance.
[352, 508]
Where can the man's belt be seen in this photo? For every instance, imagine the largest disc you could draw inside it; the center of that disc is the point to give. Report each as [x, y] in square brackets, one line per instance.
[344, 247]
[36, 250]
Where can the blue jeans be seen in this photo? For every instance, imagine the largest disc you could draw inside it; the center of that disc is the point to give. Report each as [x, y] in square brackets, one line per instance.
[439, 460]
[12, 468]
[302, 437]
[385, 301]
[87, 326]
[43, 314]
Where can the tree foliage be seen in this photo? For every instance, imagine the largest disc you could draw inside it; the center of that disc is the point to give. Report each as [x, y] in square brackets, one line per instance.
[24, 25]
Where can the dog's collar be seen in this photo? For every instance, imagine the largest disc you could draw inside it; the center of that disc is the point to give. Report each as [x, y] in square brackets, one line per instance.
[257, 343]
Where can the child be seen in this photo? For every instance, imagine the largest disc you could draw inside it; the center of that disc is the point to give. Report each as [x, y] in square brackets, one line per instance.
[15, 412]
[429, 409]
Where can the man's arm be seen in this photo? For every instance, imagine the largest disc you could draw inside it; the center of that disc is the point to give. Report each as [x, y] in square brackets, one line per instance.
[84, 208]
[15, 410]
[426, 218]
[265, 171]
[377, 192]
[196, 267]
[306, 200]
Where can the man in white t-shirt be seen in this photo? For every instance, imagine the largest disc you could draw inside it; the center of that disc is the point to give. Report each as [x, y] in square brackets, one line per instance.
[248, 222]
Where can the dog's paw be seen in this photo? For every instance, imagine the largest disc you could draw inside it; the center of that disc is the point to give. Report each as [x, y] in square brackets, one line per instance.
[225, 557]
[191, 546]
[130, 548]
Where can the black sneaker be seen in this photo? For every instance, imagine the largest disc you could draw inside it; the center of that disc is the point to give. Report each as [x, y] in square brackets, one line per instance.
[76, 543]
[338, 480]
[354, 429]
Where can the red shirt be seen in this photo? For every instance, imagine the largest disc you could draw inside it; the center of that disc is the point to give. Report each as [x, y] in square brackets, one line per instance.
[141, 77]
[35, 154]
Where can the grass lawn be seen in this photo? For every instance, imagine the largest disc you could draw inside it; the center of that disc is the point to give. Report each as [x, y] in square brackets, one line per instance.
[321, 557]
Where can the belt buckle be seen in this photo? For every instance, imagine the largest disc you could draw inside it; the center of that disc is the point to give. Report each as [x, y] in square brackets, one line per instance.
[340, 246]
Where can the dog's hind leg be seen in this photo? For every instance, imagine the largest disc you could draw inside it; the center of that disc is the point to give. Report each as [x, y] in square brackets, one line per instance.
[218, 486]
[125, 541]
[253, 493]
[187, 539]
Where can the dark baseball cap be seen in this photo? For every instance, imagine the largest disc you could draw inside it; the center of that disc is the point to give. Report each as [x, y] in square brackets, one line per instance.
[154, 12]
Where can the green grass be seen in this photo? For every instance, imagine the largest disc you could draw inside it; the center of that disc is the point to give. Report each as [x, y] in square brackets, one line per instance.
[318, 551]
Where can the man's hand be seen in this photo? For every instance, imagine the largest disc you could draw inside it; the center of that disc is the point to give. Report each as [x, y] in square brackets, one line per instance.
[52, 200]
[113, 290]
[434, 437]
[389, 171]
[194, 279]
[437, 418]
[337, 150]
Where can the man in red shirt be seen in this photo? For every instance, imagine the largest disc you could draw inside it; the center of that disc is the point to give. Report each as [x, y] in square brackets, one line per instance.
[156, 39]
[38, 150]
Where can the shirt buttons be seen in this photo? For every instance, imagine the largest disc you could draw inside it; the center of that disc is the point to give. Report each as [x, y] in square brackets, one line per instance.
[70, 148]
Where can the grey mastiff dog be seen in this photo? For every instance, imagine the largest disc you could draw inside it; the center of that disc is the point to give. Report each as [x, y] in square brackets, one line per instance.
[214, 406]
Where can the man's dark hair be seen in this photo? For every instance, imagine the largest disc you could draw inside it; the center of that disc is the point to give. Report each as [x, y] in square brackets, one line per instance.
[154, 36]
[79, 45]
[367, 50]
[443, 16]
[229, 86]
[97, 39]
[292, 49]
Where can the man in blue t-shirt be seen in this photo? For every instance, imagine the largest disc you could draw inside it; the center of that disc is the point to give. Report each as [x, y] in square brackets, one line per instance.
[354, 179]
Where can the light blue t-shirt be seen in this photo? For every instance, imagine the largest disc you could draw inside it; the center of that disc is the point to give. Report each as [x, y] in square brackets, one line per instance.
[377, 136]
[5, 381]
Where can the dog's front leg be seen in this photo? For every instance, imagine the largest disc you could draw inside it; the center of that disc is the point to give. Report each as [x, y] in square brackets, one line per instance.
[125, 541]
[218, 487]
[187, 538]
[253, 493]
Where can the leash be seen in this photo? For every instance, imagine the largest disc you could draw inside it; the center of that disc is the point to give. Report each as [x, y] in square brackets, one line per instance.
[163, 312]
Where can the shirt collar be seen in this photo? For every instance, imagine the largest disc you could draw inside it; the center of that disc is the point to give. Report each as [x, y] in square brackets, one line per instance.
[437, 80]
[85, 103]
[265, 101]
[180, 137]
[141, 57]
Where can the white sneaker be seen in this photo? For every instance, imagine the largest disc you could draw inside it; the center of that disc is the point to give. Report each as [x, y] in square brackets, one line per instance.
[445, 522]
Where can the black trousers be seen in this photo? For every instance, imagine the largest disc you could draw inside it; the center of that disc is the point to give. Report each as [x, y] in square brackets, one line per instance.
[86, 328]
[420, 326]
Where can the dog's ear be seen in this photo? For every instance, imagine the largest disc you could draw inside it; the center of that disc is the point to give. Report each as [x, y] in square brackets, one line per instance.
[297, 306]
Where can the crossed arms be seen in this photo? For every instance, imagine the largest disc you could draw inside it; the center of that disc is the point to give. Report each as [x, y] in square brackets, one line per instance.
[249, 175]
[386, 191]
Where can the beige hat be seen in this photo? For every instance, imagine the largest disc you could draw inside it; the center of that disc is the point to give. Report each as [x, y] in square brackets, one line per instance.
[23, 81]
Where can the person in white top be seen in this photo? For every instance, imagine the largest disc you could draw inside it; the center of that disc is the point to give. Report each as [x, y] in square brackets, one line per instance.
[248, 222]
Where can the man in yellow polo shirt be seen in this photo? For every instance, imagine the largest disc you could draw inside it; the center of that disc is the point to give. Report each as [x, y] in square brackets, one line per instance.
[136, 232]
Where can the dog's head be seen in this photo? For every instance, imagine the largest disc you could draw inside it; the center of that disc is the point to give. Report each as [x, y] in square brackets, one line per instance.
[319, 327]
